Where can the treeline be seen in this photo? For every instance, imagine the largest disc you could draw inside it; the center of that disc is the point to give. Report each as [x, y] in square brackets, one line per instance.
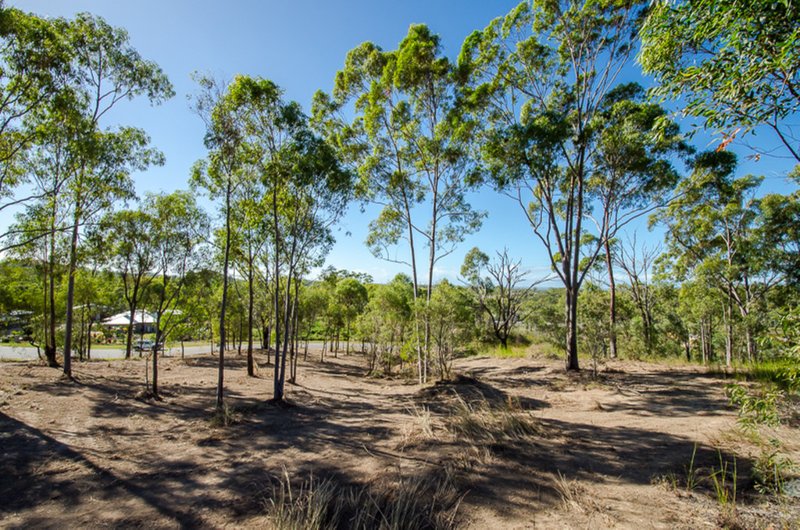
[534, 107]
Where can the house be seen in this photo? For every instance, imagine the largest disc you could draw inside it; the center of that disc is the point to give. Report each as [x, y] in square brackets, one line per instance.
[143, 322]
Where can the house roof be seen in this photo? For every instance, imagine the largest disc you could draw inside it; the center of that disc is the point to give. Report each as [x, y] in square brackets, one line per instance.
[123, 319]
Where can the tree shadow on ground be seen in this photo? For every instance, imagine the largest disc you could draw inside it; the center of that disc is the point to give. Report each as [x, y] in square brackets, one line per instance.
[329, 433]
[28, 477]
[649, 394]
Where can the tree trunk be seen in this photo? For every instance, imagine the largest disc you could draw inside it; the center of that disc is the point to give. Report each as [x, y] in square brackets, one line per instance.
[729, 330]
[129, 334]
[347, 348]
[73, 263]
[221, 364]
[752, 352]
[50, 339]
[277, 388]
[155, 359]
[612, 304]
[703, 346]
[250, 293]
[504, 341]
[89, 340]
[572, 328]
[415, 281]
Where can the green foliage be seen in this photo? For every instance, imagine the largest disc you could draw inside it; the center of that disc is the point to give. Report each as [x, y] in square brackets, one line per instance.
[755, 409]
[735, 64]
[771, 469]
[581, 156]
[34, 58]
[387, 324]
[451, 321]
[546, 316]
[783, 339]
[785, 373]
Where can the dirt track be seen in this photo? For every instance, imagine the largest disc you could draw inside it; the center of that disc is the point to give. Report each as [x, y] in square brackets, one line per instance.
[88, 453]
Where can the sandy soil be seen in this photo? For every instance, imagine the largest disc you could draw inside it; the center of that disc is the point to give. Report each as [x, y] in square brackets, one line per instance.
[89, 453]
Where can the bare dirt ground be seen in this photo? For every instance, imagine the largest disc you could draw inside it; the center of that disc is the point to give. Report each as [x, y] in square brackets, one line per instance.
[529, 445]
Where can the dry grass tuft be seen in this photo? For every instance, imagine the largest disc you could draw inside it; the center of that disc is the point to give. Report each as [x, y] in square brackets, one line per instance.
[480, 423]
[419, 501]
[422, 427]
[575, 496]
[571, 492]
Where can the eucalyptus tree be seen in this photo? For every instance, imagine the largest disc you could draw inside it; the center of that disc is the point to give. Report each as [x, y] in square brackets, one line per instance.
[102, 178]
[387, 322]
[44, 223]
[38, 232]
[539, 79]
[352, 296]
[180, 228]
[736, 65]
[304, 189]
[500, 287]
[220, 174]
[700, 303]
[106, 69]
[633, 174]
[452, 322]
[130, 239]
[249, 242]
[779, 232]
[712, 233]
[310, 193]
[637, 263]
[409, 141]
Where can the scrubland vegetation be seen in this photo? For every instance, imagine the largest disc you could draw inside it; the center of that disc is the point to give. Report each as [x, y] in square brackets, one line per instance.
[638, 384]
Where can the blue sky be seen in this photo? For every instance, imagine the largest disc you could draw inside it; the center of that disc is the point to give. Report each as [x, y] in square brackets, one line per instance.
[300, 45]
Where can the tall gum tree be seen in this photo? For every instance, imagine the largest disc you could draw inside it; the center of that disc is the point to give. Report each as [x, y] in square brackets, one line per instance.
[409, 142]
[130, 239]
[220, 174]
[538, 79]
[304, 192]
[634, 175]
[106, 69]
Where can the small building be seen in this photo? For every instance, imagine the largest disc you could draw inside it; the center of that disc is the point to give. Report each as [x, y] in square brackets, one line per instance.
[143, 322]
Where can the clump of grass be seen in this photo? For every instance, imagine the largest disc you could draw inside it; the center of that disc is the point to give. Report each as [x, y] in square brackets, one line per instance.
[418, 501]
[314, 504]
[570, 491]
[692, 477]
[224, 416]
[510, 352]
[724, 479]
[785, 373]
[481, 423]
[574, 495]
[421, 428]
